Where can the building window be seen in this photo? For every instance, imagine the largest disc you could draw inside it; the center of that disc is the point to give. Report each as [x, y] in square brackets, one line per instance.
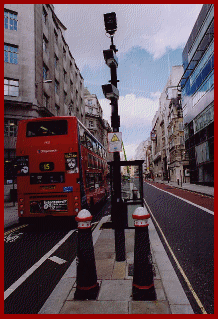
[65, 76]
[10, 20]
[45, 44]
[71, 108]
[56, 61]
[56, 36]
[180, 126]
[10, 54]
[11, 87]
[207, 55]
[45, 100]
[44, 16]
[91, 124]
[10, 127]
[57, 109]
[89, 102]
[207, 85]
[65, 97]
[45, 72]
[56, 87]
[90, 110]
[71, 86]
[64, 53]
[202, 31]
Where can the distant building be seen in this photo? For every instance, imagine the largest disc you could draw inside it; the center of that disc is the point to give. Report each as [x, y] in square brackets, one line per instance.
[94, 120]
[169, 160]
[156, 146]
[197, 86]
[142, 152]
[41, 77]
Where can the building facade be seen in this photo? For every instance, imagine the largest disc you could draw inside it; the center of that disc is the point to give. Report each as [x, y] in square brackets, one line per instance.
[41, 77]
[169, 159]
[94, 120]
[197, 86]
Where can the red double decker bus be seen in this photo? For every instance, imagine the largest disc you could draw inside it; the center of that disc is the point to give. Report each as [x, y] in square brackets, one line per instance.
[61, 168]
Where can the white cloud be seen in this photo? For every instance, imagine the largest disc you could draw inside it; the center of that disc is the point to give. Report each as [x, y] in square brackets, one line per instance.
[130, 151]
[136, 115]
[154, 27]
[133, 111]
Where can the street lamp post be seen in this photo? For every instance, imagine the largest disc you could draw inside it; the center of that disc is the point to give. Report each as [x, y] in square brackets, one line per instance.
[111, 92]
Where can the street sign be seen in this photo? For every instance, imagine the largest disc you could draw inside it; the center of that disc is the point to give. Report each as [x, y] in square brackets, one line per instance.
[115, 142]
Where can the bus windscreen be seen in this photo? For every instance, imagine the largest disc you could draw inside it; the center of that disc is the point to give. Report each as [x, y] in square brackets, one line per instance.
[46, 128]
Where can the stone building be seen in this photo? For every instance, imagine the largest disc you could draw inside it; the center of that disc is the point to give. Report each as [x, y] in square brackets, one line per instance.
[94, 120]
[169, 159]
[41, 77]
[156, 146]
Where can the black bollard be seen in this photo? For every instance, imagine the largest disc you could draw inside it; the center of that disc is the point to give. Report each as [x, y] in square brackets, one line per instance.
[143, 283]
[87, 286]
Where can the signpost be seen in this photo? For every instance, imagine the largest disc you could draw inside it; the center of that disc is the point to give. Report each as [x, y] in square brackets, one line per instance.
[115, 142]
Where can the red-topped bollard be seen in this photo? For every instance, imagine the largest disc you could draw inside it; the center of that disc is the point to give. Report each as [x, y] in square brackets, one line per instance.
[143, 283]
[87, 286]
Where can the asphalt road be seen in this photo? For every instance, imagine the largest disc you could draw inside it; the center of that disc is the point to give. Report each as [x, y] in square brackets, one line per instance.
[43, 252]
[189, 231]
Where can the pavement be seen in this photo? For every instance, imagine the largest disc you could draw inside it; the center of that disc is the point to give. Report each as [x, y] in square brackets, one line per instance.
[206, 190]
[115, 278]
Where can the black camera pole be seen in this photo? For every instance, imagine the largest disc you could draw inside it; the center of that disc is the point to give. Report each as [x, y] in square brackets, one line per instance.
[116, 199]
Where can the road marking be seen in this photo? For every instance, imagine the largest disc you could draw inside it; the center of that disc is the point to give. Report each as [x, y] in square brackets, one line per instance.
[185, 200]
[57, 260]
[30, 271]
[178, 264]
[14, 229]
[12, 237]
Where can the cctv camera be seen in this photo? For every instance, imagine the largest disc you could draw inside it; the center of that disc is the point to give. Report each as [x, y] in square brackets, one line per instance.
[110, 91]
[110, 58]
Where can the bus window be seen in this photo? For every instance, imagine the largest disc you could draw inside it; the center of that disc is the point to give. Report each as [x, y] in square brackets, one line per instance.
[94, 147]
[90, 161]
[89, 143]
[98, 180]
[82, 135]
[100, 150]
[46, 128]
[90, 181]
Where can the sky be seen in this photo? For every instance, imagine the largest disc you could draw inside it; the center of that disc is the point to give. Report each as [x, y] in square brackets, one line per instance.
[150, 39]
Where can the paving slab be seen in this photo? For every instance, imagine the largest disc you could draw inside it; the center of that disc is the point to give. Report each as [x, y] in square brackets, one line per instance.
[115, 293]
[104, 268]
[184, 309]
[95, 307]
[115, 290]
[119, 271]
[149, 307]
